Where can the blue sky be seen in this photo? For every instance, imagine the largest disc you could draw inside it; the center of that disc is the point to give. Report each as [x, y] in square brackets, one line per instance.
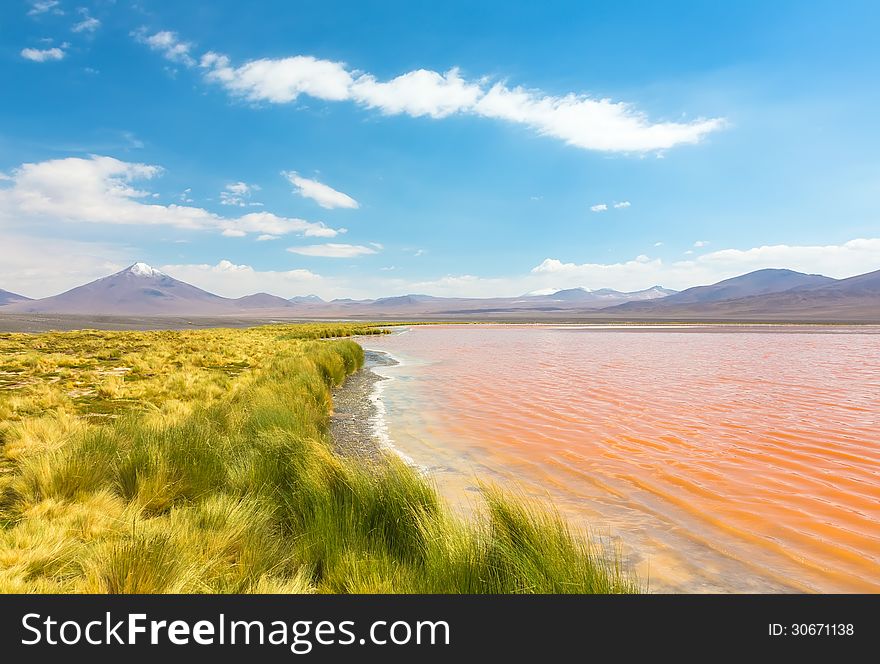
[367, 149]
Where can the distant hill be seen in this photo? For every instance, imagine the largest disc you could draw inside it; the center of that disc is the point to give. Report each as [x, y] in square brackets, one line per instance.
[263, 301]
[306, 299]
[759, 282]
[9, 298]
[403, 300]
[810, 297]
[603, 296]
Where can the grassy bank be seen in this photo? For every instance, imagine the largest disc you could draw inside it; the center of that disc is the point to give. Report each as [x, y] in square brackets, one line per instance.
[199, 461]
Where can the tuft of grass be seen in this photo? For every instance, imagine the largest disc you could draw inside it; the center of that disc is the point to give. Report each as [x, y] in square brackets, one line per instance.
[212, 471]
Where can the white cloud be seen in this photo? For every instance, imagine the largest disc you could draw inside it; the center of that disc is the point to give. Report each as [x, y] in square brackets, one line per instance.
[237, 193]
[622, 204]
[236, 280]
[42, 6]
[168, 44]
[839, 261]
[101, 190]
[333, 250]
[324, 195]
[658, 244]
[43, 54]
[417, 93]
[577, 119]
[88, 23]
[599, 207]
[267, 238]
[592, 124]
[31, 265]
[280, 81]
[699, 244]
[233, 232]
[835, 260]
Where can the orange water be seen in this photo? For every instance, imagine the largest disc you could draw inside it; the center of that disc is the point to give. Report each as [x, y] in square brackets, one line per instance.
[719, 459]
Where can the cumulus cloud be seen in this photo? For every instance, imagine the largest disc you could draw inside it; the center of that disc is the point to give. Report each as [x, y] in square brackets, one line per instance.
[333, 250]
[578, 119]
[839, 261]
[550, 275]
[102, 190]
[43, 54]
[31, 265]
[599, 207]
[324, 195]
[168, 44]
[622, 204]
[236, 280]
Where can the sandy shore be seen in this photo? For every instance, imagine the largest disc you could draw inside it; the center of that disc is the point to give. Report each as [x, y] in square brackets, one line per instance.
[354, 412]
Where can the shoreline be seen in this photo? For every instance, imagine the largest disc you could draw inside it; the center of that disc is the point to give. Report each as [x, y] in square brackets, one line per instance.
[353, 422]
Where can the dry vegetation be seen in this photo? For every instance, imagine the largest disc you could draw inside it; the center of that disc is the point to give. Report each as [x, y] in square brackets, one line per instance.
[198, 461]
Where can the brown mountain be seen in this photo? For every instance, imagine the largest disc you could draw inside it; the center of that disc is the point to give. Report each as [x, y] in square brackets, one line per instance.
[138, 290]
[10, 298]
[854, 299]
[759, 282]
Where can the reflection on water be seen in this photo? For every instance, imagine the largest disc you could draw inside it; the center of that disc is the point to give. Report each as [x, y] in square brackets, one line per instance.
[723, 460]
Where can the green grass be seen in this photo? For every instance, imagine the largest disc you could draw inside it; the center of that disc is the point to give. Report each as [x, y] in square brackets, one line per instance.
[201, 479]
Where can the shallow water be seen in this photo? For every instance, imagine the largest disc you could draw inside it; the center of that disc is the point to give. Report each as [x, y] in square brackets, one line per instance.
[719, 459]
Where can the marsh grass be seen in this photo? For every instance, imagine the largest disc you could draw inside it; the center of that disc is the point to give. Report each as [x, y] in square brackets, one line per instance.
[212, 471]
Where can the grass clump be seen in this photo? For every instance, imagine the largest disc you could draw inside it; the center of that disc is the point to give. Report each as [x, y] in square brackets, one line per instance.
[213, 472]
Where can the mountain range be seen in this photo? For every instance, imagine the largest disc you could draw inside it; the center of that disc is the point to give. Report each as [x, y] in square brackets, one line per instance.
[769, 294]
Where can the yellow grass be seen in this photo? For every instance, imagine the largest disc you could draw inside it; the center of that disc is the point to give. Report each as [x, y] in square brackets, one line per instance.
[199, 461]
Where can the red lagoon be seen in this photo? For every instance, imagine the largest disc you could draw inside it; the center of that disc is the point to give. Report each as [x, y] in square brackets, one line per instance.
[742, 459]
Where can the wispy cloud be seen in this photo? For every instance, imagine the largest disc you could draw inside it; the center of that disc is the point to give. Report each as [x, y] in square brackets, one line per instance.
[237, 193]
[42, 6]
[599, 207]
[324, 195]
[333, 250]
[578, 119]
[622, 204]
[168, 44]
[699, 244]
[87, 24]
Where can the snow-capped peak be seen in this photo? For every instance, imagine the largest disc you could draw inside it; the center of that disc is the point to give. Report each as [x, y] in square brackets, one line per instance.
[144, 270]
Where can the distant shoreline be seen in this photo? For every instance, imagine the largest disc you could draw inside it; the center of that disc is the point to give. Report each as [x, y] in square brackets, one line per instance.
[11, 322]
